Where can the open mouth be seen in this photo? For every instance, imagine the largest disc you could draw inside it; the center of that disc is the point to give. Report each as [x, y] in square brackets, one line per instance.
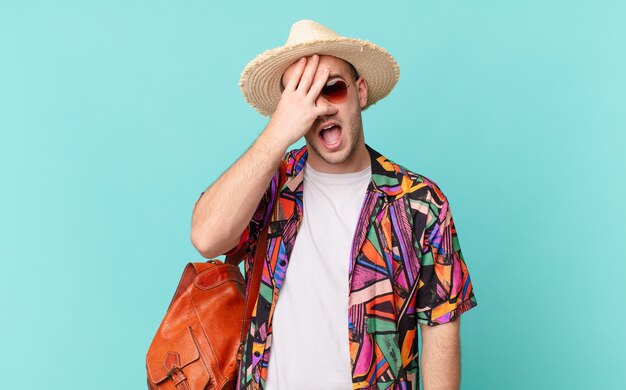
[331, 134]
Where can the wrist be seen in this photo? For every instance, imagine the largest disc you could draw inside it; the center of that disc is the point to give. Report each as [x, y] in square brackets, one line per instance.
[271, 145]
[276, 137]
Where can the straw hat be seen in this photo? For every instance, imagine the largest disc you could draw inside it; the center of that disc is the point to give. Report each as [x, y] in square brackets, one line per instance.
[260, 80]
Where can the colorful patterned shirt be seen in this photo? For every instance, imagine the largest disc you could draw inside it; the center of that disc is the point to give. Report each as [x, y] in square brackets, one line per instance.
[406, 268]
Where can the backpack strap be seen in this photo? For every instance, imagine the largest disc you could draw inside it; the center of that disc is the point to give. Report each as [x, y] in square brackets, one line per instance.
[257, 265]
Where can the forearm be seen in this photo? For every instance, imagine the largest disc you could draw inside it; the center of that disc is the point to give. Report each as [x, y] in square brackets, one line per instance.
[227, 206]
[441, 362]
[224, 210]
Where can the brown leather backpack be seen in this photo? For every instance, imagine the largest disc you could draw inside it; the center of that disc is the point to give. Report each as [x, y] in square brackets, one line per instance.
[196, 344]
[199, 343]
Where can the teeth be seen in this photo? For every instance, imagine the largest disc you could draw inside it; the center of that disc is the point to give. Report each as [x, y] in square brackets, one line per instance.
[328, 127]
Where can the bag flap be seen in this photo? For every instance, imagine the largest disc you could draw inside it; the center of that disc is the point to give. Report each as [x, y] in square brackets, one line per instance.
[178, 350]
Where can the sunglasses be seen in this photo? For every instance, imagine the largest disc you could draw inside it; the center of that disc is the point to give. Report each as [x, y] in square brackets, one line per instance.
[335, 91]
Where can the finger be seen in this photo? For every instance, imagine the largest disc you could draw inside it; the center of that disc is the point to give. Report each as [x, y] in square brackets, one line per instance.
[293, 81]
[325, 109]
[320, 81]
[309, 73]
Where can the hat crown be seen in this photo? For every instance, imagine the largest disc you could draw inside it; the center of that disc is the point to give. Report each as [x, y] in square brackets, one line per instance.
[308, 31]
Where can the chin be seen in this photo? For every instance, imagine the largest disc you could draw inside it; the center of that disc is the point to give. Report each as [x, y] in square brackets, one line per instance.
[338, 157]
[333, 158]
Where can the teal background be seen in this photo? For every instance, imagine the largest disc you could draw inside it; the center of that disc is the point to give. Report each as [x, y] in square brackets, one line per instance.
[116, 115]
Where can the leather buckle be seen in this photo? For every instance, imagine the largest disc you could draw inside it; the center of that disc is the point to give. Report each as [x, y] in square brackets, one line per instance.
[176, 375]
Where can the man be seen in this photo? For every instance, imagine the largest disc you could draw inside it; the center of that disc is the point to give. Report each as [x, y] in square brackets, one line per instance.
[360, 249]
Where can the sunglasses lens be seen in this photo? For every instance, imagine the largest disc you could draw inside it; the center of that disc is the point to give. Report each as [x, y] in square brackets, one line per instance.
[335, 91]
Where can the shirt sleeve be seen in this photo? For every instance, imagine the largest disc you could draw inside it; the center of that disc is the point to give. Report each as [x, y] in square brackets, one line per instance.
[444, 287]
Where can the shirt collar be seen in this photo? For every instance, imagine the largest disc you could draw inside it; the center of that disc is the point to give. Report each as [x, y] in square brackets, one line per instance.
[387, 177]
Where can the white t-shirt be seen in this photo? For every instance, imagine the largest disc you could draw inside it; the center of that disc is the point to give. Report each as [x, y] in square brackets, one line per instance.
[310, 346]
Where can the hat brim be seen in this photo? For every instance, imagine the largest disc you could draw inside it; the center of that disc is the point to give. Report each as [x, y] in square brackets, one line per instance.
[260, 80]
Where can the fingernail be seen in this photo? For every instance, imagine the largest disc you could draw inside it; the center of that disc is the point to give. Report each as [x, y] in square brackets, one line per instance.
[302, 59]
[325, 70]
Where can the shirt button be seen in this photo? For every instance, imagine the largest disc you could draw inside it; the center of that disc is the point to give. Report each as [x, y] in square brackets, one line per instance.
[257, 354]
[267, 306]
[283, 262]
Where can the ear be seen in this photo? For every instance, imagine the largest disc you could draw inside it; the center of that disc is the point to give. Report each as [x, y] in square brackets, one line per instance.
[361, 85]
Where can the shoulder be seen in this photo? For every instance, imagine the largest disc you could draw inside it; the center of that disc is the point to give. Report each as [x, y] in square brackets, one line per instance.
[423, 198]
[406, 183]
[424, 187]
